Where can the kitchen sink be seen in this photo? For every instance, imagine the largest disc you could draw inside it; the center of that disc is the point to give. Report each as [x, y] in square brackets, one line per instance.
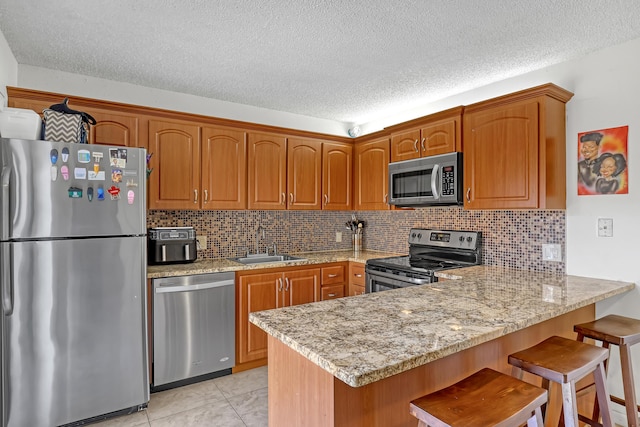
[261, 259]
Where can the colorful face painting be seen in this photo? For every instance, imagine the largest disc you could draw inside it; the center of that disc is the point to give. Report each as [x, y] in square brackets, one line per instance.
[602, 162]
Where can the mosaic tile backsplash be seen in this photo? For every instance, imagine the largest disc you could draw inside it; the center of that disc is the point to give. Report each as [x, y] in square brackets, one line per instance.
[510, 238]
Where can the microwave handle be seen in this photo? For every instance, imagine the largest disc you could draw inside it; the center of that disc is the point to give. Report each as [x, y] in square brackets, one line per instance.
[434, 181]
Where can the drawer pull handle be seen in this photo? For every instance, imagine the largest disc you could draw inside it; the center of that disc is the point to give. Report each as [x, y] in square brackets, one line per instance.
[332, 275]
[332, 295]
[358, 275]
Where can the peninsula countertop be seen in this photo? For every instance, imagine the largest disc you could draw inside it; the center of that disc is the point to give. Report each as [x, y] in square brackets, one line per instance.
[366, 338]
[203, 266]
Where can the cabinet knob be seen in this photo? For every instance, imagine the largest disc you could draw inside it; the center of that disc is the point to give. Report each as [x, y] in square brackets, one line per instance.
[195, 196]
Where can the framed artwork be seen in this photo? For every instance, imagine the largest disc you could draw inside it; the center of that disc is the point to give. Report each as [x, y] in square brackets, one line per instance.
[602, 162]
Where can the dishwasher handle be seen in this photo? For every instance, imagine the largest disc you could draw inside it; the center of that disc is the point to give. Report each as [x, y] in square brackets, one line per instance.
[198, 287]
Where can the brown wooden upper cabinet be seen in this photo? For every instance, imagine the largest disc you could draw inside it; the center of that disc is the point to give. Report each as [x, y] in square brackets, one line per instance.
[371, 174]
[119, 129]
[267, 173]
[514, 151]
[196, 167]
[298, 173]
[337, 161]
[438, 133]
[112, 128]
[175, 180]
[304, 169]
[223, 168]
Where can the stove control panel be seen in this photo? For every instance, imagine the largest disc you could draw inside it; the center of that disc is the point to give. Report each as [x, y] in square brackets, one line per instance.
[445, 238]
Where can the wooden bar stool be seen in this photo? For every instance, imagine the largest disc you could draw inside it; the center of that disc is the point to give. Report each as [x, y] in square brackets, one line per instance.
[566, 361]
[485, 399]
[623, 332]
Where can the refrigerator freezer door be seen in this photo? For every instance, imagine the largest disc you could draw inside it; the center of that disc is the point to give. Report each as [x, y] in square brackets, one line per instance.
[57, 189]
[75, 345]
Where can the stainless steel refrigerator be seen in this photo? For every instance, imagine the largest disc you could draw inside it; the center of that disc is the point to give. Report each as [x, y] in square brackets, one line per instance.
[73, 282]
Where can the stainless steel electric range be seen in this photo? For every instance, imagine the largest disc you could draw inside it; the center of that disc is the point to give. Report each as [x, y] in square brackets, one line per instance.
[429, 251]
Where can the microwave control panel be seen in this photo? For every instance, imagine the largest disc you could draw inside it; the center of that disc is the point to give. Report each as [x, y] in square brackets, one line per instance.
[448, 180]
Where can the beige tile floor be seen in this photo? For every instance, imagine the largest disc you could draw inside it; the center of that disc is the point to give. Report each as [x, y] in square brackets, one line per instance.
[238, 400]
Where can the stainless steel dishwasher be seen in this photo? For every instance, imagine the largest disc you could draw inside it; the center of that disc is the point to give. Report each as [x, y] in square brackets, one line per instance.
[193, 328]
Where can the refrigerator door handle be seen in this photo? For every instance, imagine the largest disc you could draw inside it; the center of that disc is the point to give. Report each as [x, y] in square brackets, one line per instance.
[6, 179]
[5, 279]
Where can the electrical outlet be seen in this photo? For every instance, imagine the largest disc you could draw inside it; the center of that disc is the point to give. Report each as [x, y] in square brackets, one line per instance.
[338, 236]
[605, 227]
[552, 252]
[201, 242]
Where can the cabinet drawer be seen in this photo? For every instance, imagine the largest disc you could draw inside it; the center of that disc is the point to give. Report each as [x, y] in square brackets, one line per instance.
[356, 274]
[332, 292]
[333, 275]
[355, 290]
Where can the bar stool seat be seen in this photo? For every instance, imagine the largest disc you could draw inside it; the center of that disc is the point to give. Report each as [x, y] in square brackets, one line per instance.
[623, 332]
[566, 361]
[484, 399]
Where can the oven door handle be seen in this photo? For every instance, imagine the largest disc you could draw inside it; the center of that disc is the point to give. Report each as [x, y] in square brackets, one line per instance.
[434, 181]
[401, 278]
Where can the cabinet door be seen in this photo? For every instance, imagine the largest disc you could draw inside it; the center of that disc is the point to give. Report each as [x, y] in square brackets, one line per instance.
[301, 286]
[113, 129]
[175, 180]
[405, 145]
[336, 176]
[501, 157]
[256, 292]
[372, 175]
[224, 169]
[267, 171]
[304, 169]
[440, 137]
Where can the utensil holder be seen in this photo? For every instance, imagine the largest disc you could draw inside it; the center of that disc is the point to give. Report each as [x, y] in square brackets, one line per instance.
[356, 240]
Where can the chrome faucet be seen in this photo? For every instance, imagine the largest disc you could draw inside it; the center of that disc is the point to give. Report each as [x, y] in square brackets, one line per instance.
[258, 231]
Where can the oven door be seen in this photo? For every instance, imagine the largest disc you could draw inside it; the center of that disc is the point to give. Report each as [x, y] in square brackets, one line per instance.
[377, 281]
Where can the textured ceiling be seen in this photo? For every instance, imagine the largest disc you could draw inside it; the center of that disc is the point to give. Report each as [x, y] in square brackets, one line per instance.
[349, 61]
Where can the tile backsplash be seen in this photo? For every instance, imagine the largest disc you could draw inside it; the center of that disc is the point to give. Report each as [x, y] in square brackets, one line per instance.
[510, 238]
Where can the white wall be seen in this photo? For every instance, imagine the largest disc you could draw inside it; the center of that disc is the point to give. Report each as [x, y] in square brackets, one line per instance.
[8, 69]
[91, 87]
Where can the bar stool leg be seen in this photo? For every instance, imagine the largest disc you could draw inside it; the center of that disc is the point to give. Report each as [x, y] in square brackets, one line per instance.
[536, 420]
[569, 404]
[602, 395]
[629, 390]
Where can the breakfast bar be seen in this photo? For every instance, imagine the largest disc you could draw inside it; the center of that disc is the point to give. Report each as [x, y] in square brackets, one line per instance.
[359, 361]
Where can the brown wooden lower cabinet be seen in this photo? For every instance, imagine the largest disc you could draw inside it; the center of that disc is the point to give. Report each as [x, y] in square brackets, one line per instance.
[356, 279]
[271, 288]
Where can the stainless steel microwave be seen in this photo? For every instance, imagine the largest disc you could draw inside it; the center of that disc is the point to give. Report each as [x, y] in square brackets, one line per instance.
[427, 181]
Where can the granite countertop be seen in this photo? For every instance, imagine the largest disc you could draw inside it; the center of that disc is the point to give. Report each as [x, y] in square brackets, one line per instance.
[203, 266]
[366, 338]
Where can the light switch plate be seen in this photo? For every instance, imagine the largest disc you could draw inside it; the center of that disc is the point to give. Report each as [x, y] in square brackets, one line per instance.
[202, 242]
[552, 252]
[605, 227]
